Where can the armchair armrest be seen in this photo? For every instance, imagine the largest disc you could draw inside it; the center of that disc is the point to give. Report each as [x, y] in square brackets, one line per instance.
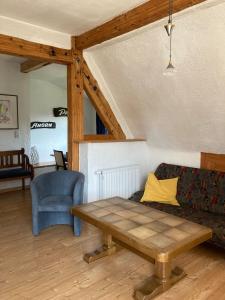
[78, 191]
[35, 197]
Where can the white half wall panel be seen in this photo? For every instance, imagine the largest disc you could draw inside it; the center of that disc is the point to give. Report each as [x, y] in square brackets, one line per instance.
[97, 156]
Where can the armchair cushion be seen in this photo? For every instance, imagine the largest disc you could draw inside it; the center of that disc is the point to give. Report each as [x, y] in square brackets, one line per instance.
[56, 203]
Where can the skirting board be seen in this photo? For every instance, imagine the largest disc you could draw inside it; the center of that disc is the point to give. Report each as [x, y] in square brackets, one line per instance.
[13, 189]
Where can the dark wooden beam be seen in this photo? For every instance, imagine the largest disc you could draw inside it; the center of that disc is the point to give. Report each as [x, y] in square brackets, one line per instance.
[14, 46]
[32, 65]
[140, 16]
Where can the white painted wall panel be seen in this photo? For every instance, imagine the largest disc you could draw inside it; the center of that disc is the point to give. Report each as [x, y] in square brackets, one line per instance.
[44, 96]
[15, 83]
[95, 156]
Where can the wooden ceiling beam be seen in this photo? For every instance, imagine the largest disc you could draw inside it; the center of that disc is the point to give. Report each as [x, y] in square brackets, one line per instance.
[14, 46]
[140, 16]
[32, 65]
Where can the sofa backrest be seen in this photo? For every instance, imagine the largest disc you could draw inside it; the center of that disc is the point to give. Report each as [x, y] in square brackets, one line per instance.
[198, 188]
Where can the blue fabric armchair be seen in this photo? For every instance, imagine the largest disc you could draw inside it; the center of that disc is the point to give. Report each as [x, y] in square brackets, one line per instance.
[53, 194]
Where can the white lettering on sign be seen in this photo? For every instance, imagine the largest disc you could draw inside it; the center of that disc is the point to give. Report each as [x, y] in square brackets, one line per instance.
[63, 112]
[37, 125]
[60, 112]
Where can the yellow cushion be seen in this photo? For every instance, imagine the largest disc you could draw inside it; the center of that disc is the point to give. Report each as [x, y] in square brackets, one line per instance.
[163, 191]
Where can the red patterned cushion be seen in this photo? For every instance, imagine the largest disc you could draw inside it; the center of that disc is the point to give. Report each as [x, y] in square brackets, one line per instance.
[197, 188]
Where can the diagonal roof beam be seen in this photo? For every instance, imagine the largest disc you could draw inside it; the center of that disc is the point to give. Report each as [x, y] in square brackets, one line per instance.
[140, 16]
[32, 65]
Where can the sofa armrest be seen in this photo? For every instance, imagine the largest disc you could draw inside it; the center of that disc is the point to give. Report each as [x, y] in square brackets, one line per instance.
[136, 197]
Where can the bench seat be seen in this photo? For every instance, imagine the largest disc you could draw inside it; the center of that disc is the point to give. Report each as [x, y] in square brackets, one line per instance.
[17, 172]
[14, 164]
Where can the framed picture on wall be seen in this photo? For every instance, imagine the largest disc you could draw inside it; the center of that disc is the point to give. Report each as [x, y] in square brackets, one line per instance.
[9, 111]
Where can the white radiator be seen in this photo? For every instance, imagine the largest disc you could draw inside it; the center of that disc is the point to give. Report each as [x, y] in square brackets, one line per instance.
[121, 181]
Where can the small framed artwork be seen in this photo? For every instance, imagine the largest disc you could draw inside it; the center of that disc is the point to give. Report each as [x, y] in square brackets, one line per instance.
[9, 111]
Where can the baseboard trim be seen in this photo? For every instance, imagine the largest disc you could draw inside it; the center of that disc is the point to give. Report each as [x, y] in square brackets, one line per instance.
[14, 189]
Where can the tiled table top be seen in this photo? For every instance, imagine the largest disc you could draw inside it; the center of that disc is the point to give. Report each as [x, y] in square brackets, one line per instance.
[153, 229]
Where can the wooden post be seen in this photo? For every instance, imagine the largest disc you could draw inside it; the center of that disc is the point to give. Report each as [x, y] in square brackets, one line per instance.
[75, 107]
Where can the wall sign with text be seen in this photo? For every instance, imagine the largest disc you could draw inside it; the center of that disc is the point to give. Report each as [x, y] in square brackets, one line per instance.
[60, 112]
[42, 125]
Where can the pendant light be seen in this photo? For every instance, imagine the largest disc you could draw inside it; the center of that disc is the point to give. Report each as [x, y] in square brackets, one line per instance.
[169, 29]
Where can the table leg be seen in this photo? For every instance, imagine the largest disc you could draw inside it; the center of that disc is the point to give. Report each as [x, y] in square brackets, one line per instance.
[161, 281]
[108, 248]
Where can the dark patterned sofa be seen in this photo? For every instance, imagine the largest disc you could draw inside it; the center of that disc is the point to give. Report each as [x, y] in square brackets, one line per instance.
[201, 195]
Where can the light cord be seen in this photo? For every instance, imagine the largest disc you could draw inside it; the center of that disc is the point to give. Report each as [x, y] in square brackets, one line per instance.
[170, 11]
[171, 47]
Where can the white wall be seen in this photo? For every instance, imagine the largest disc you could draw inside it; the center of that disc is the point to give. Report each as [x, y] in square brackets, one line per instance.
[44, 96]
[183, 158]
[48, 89]
[95, 156]
[181, 115]
[12, 81]
[106, 90]
[15, 83]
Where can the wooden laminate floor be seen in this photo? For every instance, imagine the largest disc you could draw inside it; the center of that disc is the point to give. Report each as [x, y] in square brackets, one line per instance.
[51, 267]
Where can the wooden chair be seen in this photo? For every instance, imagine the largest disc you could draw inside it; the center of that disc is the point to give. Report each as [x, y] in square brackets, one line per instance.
[60, 160]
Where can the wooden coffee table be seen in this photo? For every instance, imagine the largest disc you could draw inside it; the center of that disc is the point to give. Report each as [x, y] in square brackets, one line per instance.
[157, 236]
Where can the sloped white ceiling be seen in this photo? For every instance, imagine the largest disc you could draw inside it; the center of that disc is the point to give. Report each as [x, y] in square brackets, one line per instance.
[185, 112]
[53, 73]
[72, 17]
